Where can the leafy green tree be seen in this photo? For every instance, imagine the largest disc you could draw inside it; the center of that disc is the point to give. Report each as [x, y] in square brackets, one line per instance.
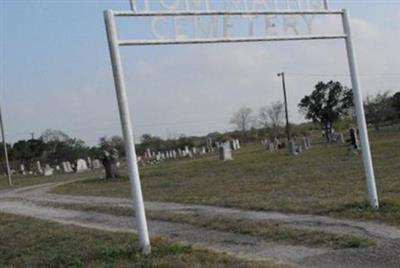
[379, 109]
[326, 104]
[396, 104]
[116, 142]
[29, 151]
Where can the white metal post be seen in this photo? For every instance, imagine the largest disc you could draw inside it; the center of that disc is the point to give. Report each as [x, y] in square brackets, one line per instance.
[122, 98]
[7, 163]
[361, 122]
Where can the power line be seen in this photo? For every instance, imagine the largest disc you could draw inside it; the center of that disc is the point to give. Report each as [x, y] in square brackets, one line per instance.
[345, 75]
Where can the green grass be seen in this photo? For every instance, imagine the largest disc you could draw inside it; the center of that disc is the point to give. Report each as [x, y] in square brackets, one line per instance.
[328, 179]
[27, 242]
[266, 229]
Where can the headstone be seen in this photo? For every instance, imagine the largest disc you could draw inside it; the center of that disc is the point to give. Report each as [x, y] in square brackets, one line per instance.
[209, 145]
[232, 144]
[308, 142]
[304, 143]
[22, 169]
[89, 163]
[203, 150]
[39, 168]
[237, 144]
[58, 167]
[96, 163]
[225, 152]
[354, 139]
[81, 165]
[299, 149]
[148, 153]
[277, 143]
[292, 147]
[341, 138]
[271, 147]
[70, 167]
[65, 167]
[48, 171]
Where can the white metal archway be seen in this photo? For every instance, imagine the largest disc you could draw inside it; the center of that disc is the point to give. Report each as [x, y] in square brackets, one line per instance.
[114, 44]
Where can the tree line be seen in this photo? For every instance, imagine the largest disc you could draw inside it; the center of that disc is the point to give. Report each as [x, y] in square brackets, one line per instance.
[327, 105]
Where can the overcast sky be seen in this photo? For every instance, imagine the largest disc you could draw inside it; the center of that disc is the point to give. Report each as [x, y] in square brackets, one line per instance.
[55, 70]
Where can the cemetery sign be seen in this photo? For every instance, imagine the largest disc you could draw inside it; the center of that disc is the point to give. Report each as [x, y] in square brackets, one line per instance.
[223, 21]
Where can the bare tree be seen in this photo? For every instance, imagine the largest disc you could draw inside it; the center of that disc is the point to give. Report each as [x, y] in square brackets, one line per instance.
[263, 117]
[272, 117]
[243, 119]
[276, 114]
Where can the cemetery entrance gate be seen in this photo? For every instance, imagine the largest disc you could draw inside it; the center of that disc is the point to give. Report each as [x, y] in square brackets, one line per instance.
[199, 9]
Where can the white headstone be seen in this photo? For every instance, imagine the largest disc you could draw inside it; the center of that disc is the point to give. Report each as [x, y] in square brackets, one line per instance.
[237, 144]
[225, 152]
[341, 138]
[89, 163]
[292, 147]
[39, 168]
[148, 153]
[81, 165]
[22, 169]
[48, 171]
[304, 143]
[96, 163]
[271, 147]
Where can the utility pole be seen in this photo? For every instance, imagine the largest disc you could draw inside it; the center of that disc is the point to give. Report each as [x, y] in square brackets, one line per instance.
[5, 151]
[282, 74]
[32, 135]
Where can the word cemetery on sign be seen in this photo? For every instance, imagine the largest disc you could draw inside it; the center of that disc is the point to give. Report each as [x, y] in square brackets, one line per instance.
[206, 21]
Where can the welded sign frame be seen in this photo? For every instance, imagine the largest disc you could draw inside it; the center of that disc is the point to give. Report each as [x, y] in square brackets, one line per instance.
[127, 130]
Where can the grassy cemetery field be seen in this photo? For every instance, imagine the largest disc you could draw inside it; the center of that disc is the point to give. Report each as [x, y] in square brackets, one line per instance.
[212, 202]
[326, 180]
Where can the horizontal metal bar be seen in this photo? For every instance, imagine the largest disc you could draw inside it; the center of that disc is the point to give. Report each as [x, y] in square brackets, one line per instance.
[227, 40]
[223, 12]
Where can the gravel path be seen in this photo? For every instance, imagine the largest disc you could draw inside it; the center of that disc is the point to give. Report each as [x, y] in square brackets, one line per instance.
[24, 201]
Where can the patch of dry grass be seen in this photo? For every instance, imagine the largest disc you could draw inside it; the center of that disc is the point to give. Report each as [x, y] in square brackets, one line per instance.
[266, 229]
[27, 242]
